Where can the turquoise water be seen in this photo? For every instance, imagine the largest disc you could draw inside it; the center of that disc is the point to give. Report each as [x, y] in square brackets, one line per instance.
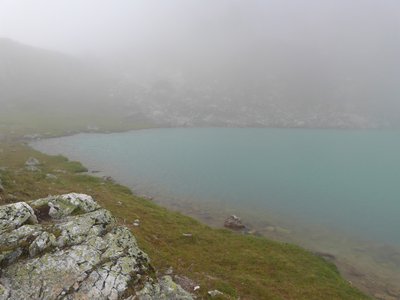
[347, 180]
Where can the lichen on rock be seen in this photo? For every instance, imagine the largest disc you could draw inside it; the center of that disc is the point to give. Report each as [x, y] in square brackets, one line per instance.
[65, 205]
[73, 250]
[15, 215]
[165, 289]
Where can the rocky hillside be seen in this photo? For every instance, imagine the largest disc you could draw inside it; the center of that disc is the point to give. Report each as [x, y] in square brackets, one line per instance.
[275, 90]
[68, 247]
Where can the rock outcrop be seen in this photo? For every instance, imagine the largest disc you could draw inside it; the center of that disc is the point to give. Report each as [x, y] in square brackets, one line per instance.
[68, 247]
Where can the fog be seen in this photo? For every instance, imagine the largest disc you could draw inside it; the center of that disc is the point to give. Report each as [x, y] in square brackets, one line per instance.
[214, 72]
[273, 63]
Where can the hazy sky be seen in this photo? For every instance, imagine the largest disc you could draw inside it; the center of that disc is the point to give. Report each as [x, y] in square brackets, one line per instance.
[102, 26]
[302, 52]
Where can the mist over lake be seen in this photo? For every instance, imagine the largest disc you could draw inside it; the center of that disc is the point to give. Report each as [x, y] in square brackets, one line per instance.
[346, 180]
[250, 147]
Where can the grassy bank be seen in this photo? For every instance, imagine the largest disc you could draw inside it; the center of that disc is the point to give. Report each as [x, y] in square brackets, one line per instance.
[15, 124]
[242, 266]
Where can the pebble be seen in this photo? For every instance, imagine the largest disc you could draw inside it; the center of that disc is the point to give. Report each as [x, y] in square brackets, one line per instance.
[214, 293]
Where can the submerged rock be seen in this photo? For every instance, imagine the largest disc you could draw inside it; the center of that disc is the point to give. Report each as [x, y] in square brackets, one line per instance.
[68, 247]
[234, 222]
[327, 256]
[108, 178]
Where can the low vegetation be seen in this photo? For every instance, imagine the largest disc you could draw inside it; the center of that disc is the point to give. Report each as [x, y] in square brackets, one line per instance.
[238, 265]
[15, 124]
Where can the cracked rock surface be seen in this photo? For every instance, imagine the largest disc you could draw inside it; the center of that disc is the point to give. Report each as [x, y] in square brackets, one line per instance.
[68, 247]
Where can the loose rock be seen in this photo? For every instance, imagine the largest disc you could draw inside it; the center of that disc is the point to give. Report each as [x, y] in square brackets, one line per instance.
[51, 176]
[32, 162]
[32, 168]
[169, 271]
[185, 282]
[234, 222]
[166, 289]
[214, 293]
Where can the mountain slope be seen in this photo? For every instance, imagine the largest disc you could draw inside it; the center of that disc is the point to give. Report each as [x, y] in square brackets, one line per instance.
[39, 89]
[278, 84]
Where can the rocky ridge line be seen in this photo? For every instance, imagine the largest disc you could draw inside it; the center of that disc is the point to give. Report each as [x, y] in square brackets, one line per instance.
[68, 247]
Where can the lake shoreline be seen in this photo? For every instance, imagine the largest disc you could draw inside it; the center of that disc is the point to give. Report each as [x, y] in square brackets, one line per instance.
[346, 251]
[364, 279]
[201, 257]
[82, 154]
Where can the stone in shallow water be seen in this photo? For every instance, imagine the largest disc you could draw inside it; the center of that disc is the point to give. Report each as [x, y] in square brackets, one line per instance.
[234, 222]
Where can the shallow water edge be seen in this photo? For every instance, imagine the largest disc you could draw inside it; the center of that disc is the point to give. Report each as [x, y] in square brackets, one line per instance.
[370, 264]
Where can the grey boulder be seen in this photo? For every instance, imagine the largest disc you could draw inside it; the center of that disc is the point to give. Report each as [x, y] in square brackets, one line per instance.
[68, 247]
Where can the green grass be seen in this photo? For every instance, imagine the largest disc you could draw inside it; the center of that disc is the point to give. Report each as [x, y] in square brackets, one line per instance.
[50, 123]
[242, 266]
